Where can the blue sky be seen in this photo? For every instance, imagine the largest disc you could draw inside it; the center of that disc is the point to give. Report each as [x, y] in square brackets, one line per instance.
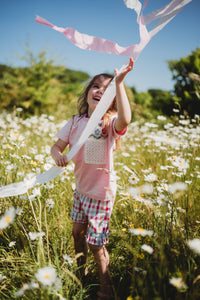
[109, 19]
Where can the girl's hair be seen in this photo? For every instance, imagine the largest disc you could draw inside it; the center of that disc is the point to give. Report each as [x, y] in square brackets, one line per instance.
[83, 106]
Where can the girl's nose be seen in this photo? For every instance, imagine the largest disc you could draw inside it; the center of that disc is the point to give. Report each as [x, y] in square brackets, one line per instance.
[101, 90]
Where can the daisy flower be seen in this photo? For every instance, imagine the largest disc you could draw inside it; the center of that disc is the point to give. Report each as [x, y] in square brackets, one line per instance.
[47, 166]
[34, 235]
[178, 283]
[2, 277]
[11, 168]
[147, 248]
[11, 244]
[133, 179]
[140, 231]
[19, 211]
[23, 197]
[194, 245]
[150, 177]
[68, 259]
[47, 276]
[7, 218]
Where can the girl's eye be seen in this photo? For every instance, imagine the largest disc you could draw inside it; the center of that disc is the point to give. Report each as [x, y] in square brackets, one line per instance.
[95, 86]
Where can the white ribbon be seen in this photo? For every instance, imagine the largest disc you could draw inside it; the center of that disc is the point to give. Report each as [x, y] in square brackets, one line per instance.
[165, 14]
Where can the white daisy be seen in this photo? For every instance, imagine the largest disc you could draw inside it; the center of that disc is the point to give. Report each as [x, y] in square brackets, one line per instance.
[178, 283]
[47, 276]
[19, 211]
[194, 245]
[7, 218]
[133, 179]
[140, 231]
[68, 259]
[11, 244]
[147, 248]
[11, 168]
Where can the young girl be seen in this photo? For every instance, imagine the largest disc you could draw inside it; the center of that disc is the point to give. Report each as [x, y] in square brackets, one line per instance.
[94, 175]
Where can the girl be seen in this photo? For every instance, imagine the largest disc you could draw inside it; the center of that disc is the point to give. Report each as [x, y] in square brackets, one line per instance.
[94, 175]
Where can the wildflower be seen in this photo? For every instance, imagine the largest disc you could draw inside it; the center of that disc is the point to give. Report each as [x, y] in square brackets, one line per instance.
[147, 248]
[178, 283]
[140, 270]
[11, 168]
[140, 231]
[23, 197]
[176, 110]
[194, 245]
[34, 235]
[2, 277]
[133, 179]
[7, 218]
[162, 199]
[25, 287]
[36, 192]
[47, 276]
[47, 166]
[11, 244]
[150, 177]
[68, 259]
[19, 211]
[50, 204]
[161, 118]
[125, 154]
[39, 157]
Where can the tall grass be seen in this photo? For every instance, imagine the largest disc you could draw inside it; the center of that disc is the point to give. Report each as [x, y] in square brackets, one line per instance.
[156, 213]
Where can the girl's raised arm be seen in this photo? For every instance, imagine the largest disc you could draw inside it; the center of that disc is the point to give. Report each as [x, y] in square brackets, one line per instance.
[123, 107]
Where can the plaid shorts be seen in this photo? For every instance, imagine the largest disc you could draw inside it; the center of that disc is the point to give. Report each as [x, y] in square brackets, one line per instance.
[96, 213]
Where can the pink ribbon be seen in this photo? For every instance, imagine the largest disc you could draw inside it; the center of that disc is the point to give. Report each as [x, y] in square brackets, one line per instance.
[89, 42]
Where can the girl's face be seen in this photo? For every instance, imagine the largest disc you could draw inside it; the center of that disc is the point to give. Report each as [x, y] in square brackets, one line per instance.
[95, 93]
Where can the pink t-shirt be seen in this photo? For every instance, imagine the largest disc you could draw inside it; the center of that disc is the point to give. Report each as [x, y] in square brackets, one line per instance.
[94, 174]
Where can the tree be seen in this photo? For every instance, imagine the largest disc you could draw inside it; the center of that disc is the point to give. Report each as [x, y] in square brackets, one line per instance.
[187, 87]
[162, 101]
[41, 87]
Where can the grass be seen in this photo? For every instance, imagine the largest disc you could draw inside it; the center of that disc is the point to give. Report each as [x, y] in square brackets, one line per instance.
[156, 213]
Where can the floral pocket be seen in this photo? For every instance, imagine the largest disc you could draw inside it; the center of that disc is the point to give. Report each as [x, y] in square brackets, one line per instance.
[95, 150]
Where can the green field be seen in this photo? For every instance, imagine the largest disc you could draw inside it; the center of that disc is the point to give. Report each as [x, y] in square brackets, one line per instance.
[155, 226]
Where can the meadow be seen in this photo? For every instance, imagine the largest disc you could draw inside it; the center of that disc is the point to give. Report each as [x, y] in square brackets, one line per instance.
[154, 244]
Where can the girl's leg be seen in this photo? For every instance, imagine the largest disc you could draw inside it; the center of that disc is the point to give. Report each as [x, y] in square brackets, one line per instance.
[80, 245]
[102, 258]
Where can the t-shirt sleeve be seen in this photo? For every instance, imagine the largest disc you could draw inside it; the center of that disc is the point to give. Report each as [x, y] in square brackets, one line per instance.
[64, 132]
[117, 133]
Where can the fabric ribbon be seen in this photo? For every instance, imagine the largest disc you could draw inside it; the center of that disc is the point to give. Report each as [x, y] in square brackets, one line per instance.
[88, 42]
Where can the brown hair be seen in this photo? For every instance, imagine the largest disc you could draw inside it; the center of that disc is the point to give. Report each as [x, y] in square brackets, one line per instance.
[82, 105]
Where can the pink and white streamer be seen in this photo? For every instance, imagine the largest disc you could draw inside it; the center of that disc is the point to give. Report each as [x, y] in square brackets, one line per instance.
[88, 42]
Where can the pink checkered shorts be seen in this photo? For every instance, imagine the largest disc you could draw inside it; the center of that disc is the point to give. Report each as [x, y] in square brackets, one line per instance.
[96, 213]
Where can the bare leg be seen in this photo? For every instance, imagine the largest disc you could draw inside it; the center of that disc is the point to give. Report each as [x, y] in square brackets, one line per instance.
[80, 245]
[102, 258]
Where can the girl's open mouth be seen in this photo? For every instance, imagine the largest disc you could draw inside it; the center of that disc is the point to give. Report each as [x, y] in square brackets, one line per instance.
[97, 99]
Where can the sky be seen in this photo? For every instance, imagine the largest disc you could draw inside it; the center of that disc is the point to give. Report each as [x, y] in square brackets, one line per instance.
[109, 19]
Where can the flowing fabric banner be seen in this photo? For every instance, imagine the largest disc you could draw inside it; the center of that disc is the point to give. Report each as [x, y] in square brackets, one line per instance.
[84, 41]
[89, 42]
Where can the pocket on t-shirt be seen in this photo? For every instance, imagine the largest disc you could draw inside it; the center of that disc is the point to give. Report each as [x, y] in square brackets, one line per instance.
[95, 151]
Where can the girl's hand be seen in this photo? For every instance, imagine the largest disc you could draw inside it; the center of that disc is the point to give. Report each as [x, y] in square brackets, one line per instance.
[120, 76]
[56, 152]
[61, 160]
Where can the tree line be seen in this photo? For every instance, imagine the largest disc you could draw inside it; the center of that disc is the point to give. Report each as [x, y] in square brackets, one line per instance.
[44, 87]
